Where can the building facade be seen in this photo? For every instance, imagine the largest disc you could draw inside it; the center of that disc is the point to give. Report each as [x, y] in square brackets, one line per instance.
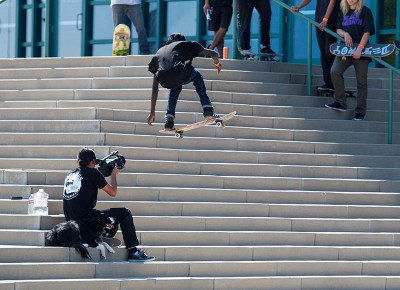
[67, 28]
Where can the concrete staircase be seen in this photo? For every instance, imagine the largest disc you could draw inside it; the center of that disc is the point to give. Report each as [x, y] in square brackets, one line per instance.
[289, 195]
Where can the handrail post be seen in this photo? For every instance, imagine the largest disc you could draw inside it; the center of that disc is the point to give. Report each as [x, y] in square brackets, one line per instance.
[234, 30]
[309, 61]
[390, 107]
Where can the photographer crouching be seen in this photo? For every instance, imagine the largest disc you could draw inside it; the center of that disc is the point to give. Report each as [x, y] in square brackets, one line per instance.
[80, 197]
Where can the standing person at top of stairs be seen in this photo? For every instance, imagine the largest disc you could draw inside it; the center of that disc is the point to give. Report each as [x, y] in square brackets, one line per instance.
[245, 13]
[220, 12]
[355, 24]
[326, 14]
[172, 67]
[80, 197]
[132, 9]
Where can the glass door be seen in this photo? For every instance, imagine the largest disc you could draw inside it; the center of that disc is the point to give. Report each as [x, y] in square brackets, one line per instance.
[69, 27]
[7, 29]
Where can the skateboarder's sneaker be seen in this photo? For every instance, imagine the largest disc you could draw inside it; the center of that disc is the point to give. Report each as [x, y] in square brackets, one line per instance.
[358, 117]
[208, 113]
[169, 124]
[336, 106]
[139, 256]
[267, 49]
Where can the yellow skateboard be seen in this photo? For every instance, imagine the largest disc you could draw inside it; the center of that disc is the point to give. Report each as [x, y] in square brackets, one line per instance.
[121, 40]
[219, 122]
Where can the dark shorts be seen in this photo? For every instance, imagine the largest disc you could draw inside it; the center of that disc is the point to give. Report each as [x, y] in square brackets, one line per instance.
[220, 18]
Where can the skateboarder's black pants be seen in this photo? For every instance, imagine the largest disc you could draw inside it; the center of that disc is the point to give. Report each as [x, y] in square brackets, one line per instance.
[245, 12]
[361, 68]
[327, 58]
[123, 218]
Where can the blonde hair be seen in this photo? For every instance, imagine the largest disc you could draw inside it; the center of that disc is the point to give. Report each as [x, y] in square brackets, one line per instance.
[344, 5]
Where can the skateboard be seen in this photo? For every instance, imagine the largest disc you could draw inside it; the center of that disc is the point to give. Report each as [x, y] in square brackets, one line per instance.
[121, 40]
[262, 56]
[370, 50]
[219, 122]
[329, 93]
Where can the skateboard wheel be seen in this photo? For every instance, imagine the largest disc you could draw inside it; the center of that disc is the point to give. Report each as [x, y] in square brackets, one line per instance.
[219, 124]
[179, 135]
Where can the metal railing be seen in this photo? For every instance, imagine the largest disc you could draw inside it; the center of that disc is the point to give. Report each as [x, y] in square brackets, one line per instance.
[391, 68]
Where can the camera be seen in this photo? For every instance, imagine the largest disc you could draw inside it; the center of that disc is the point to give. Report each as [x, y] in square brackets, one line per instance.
[107, 163]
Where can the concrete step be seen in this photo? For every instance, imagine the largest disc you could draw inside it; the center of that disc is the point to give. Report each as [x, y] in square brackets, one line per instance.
[30, 271]
[209, 283]
[217, 168]
[278, 114]
[208, 131]
[46, 73]
[233, 223]
[220, 209]
[206, 143]
[41, 254]
[218, 195]
[227, 238]
[54, 177]
[135, 154]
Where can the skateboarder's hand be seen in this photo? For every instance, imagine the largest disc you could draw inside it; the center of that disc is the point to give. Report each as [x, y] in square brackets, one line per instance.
[218, 66]
[151, 118]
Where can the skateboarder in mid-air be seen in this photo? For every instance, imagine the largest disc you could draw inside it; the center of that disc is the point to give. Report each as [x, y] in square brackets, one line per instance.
[172, 68]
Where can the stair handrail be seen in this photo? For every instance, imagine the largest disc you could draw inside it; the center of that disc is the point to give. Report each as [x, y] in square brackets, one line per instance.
[391, 68]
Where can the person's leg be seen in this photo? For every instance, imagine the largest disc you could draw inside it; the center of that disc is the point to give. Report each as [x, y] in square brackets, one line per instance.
[118, 11]
[326, 63]
[218, 40]
[201, 90]
[172, 101]
[135, 14]
[361, 68]
[264, 9]
[123, 218]
[245, 13]
[225, 16]
[338, 68]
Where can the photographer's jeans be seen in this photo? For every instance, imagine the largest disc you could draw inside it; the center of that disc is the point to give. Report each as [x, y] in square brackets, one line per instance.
[123, 217]
[198, 83]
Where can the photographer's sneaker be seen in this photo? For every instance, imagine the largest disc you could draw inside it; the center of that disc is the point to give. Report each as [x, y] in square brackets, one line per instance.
[336, 106]
[139, 256]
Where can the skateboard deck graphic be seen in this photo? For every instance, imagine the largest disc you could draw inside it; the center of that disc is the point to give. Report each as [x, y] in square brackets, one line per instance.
[370, 50]
[121, 40]
[219, 122]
